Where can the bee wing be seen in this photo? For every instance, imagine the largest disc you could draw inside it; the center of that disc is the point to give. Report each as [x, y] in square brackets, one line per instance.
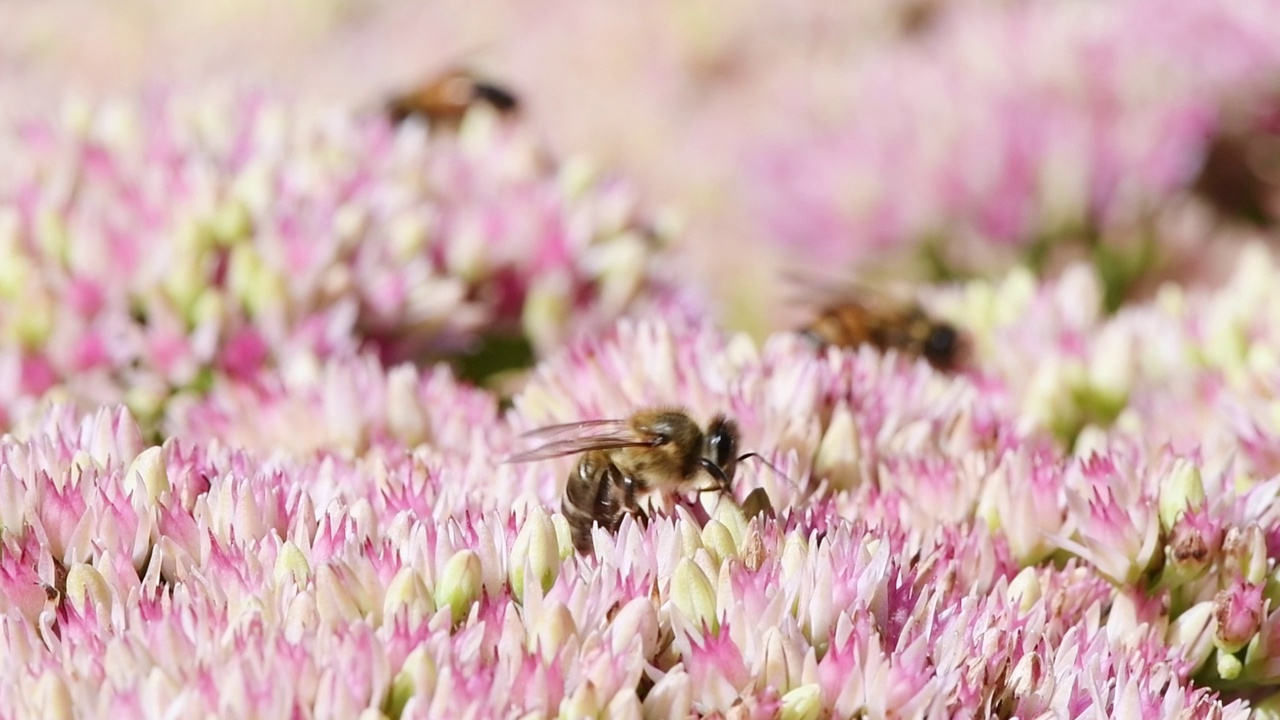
[579, 437]
[806, 287]
[573, 446]
[579, 428]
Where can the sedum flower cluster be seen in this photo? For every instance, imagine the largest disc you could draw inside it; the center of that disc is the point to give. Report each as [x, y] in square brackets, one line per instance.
[934, 545]
[154, 247]
[1016, 128]
[247, 469]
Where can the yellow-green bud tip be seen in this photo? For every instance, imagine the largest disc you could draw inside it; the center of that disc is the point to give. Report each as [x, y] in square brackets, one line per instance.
[459, 584]
[803, 703]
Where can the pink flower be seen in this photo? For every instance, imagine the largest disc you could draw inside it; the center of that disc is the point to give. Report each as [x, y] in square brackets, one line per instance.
[1238, 610]
[1115, 517]
[1033, 146]
[179, 235]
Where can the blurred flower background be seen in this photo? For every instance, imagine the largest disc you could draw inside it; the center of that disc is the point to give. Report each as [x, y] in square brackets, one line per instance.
[935, 138]
[262, 353]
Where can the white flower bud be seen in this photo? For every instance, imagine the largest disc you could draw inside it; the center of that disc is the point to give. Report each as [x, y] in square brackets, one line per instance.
[803, 703]
[554, 627]
[583, 703]
[1181, 492]
[86, 585]
[839, 452]
[670, 697]
[408, 592]
[638, 618]
[53, 698]
[537, 547]
[718, 542]
[459, 584]
[694, 595]
[290, 562]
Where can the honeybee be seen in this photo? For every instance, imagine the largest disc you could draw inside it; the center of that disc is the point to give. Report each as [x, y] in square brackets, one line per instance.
[1239, 178]
[447, 98]
[853, 317]
[907, 329]
[662, 450]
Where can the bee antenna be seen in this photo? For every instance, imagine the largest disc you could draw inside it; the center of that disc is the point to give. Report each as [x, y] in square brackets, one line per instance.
[767, 464]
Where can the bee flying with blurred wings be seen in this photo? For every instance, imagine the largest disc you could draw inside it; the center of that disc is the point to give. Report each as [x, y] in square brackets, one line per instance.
[852, 315]
[446, 99]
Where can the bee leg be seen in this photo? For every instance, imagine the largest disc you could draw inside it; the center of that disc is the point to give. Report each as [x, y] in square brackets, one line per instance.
[717, 474]
[631, 500]
[641, 516]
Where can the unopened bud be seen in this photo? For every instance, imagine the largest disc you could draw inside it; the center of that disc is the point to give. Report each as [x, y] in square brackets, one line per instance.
[416, 677]
[637, 618]
[803, 703]
[408, 592]
[795, 551]
[86, 585]
[334, 600]
[625, 705]
[547, 308]
[718, 542]
[1025, 589]
[1111, 370]
[564, 535]
[405, 416]
[1229, 666]
[694, 595]
[731, 517]
[1193, 633]
[290, 562]
[147, 473]
[537, 547]
[1181, 492]
[553, 629]
[584, 703]
[459, 584]
[53, 698]
[670, 697]
[839, 451]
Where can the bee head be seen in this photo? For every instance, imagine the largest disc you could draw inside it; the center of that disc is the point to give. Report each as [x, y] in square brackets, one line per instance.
[500, 98]
[942, 345]
[720, 446]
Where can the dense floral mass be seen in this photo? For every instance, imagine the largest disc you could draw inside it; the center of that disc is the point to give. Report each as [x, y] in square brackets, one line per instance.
[154, 247]
[1029, 124]
[258, 459]
[934, 551]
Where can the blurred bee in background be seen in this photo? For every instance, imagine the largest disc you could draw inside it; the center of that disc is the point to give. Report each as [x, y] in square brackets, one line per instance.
[659, 450]
[1240, 177]
[854, 316]
[445, 99]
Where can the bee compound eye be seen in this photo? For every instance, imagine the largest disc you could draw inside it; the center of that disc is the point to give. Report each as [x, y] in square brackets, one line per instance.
[941, 342]
[500, 98]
